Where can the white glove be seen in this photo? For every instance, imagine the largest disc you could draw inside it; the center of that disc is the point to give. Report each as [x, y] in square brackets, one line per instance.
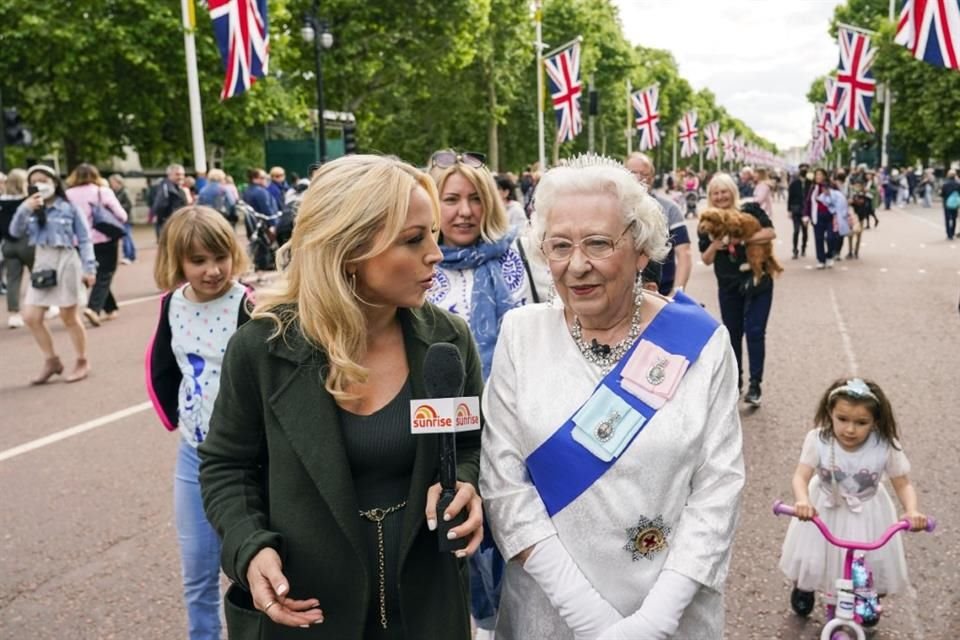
[659, 616]
[571, 594]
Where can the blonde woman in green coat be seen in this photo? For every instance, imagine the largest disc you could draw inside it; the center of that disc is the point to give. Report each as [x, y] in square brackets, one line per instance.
[310, 442]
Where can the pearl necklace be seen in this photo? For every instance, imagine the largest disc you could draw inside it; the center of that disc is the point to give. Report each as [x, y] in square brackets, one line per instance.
[605, 356]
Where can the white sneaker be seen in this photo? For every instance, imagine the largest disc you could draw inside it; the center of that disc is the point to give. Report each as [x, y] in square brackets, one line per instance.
[52, 312]
[820, 265]
[829, 263]
[126, 261]
[15, 321]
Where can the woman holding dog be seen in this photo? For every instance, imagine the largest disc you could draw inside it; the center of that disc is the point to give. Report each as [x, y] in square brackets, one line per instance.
[744, 304]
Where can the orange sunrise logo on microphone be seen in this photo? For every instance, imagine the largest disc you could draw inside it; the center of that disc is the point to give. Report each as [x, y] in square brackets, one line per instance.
[427, 416]
[464, 417]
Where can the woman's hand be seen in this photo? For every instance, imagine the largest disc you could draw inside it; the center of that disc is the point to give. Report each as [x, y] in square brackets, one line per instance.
[466, 497]
[805, 510]
[269, 589]
[35, 201]
[918, 521]
[89, 279]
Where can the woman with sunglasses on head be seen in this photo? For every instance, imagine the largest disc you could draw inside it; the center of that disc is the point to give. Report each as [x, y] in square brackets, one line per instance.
[325, 501]
[611, 461]
[482, 276]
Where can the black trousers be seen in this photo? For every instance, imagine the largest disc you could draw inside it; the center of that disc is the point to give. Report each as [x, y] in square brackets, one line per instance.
[798, 229]
[101, 298]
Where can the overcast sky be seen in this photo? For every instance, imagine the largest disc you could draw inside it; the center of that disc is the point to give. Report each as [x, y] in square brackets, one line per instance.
[757, 56]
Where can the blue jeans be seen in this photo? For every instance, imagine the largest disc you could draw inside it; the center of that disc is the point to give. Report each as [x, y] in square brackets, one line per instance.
[747, 314]
[129, 249]
[199, 549]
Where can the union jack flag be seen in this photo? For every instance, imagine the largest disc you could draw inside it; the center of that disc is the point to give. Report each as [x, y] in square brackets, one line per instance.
[855, 83]
[931, 30]
[240, 27]
[647, 116]
[824, 134]
[688, 135]
[563, 74]
[837, 130]
[711, 138]
[740, 149]
[729, 146]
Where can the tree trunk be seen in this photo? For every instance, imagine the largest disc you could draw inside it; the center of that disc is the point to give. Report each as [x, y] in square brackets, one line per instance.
[493, 144]
[72, 152]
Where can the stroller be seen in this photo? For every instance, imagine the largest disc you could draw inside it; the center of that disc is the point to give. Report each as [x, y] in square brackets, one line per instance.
[261, 243]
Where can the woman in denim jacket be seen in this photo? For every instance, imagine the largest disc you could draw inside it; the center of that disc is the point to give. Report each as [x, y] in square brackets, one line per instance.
[57, 230]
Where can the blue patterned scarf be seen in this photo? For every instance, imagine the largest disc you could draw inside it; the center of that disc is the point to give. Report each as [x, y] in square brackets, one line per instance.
[491, 297]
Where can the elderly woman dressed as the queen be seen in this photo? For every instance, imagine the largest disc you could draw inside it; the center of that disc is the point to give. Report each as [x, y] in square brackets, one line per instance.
[611, 463]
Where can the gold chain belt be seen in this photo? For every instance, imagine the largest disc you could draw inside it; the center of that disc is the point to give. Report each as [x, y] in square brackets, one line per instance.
[377, 516]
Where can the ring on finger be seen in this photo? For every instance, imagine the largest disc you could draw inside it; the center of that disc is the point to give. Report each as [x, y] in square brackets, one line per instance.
[269, 604]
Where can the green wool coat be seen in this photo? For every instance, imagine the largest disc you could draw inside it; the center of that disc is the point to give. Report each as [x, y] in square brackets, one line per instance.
[274, 473]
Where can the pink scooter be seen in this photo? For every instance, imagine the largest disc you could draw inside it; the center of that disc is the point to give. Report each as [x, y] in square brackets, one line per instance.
[847, 615]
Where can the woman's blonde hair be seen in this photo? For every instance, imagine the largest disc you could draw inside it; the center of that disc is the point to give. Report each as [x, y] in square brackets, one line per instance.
[495, 222]
[216, 175]
[649, 230]
[724, 181]
[82, 174]
[16, 184]
[190, 227]
[353, 210]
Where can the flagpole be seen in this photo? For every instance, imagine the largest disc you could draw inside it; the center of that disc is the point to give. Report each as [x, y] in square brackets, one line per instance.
[542, 153]
[675, 149]
[699, 139]
[887, 104]
[629, 130]
[590, 116]
[193, 86]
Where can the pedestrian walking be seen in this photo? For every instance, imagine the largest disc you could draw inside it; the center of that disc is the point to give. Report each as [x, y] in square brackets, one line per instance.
[817, 211]
[853, 444]
[216, 196]
[678, 264]
[745, 309]
[168, 196]
[950, 192]
[127, 246]
[796, 197]
[926, 188]
[17, 252]
[835, 200]
[584, 561]
[198, 261]
[86, 191]
[64, 265]
[763, 191]
[325, 501]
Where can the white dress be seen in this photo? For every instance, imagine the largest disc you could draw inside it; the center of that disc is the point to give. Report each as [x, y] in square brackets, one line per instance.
[856, 506]
[685, 467]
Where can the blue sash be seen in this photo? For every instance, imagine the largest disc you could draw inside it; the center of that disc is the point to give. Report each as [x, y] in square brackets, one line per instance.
[561, 468]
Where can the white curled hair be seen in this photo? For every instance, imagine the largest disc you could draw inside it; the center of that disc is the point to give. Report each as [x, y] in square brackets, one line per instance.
[591, 175]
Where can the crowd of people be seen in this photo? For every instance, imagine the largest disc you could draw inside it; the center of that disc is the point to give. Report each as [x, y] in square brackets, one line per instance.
[563, 294]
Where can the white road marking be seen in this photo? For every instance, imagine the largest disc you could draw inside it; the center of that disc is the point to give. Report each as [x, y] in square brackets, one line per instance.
[924, 220]
[844, 334]
[73, 431]
[124, 303]
[883, 269]
[921, 270]
[893, 244]
[923, 246]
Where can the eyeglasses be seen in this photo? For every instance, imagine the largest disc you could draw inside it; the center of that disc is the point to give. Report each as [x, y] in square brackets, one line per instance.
[595, 247]
[445, 159]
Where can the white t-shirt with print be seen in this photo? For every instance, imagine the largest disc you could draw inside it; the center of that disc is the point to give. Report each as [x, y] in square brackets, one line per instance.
[200, 332]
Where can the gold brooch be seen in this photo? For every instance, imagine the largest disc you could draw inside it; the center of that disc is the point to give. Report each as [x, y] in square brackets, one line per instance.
[648, 538]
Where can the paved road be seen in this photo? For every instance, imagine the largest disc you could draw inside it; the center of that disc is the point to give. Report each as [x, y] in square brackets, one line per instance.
[88, 548]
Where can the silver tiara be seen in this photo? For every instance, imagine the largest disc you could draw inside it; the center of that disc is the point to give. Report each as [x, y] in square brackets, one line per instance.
[584, 160]
[856, 388]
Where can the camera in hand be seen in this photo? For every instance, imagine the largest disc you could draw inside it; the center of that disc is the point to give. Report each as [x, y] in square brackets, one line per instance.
[41, 213]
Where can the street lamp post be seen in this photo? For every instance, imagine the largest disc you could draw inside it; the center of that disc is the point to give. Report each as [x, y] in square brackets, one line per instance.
[315, 30]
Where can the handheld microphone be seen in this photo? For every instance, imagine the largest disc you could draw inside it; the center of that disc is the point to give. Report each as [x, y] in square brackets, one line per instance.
[443, 377]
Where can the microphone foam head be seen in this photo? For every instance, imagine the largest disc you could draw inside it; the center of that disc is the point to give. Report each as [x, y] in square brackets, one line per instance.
[443, 373]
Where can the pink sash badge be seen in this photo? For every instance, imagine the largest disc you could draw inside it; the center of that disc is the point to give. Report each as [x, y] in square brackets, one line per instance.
[653, 374]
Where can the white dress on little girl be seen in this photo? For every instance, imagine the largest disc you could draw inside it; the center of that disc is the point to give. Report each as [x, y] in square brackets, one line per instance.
[850, 499]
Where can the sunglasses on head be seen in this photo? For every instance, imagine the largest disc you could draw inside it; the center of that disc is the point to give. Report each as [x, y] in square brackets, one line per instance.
[445, 159]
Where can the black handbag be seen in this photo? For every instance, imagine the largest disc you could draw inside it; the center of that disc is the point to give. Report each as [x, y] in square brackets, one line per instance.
[43, 279]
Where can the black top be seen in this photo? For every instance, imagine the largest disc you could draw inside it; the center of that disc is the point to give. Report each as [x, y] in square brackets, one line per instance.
[381, 452]
[8, 207]
[726, 264]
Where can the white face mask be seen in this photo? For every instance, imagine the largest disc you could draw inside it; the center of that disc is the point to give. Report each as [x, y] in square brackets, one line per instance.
[46, 190]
